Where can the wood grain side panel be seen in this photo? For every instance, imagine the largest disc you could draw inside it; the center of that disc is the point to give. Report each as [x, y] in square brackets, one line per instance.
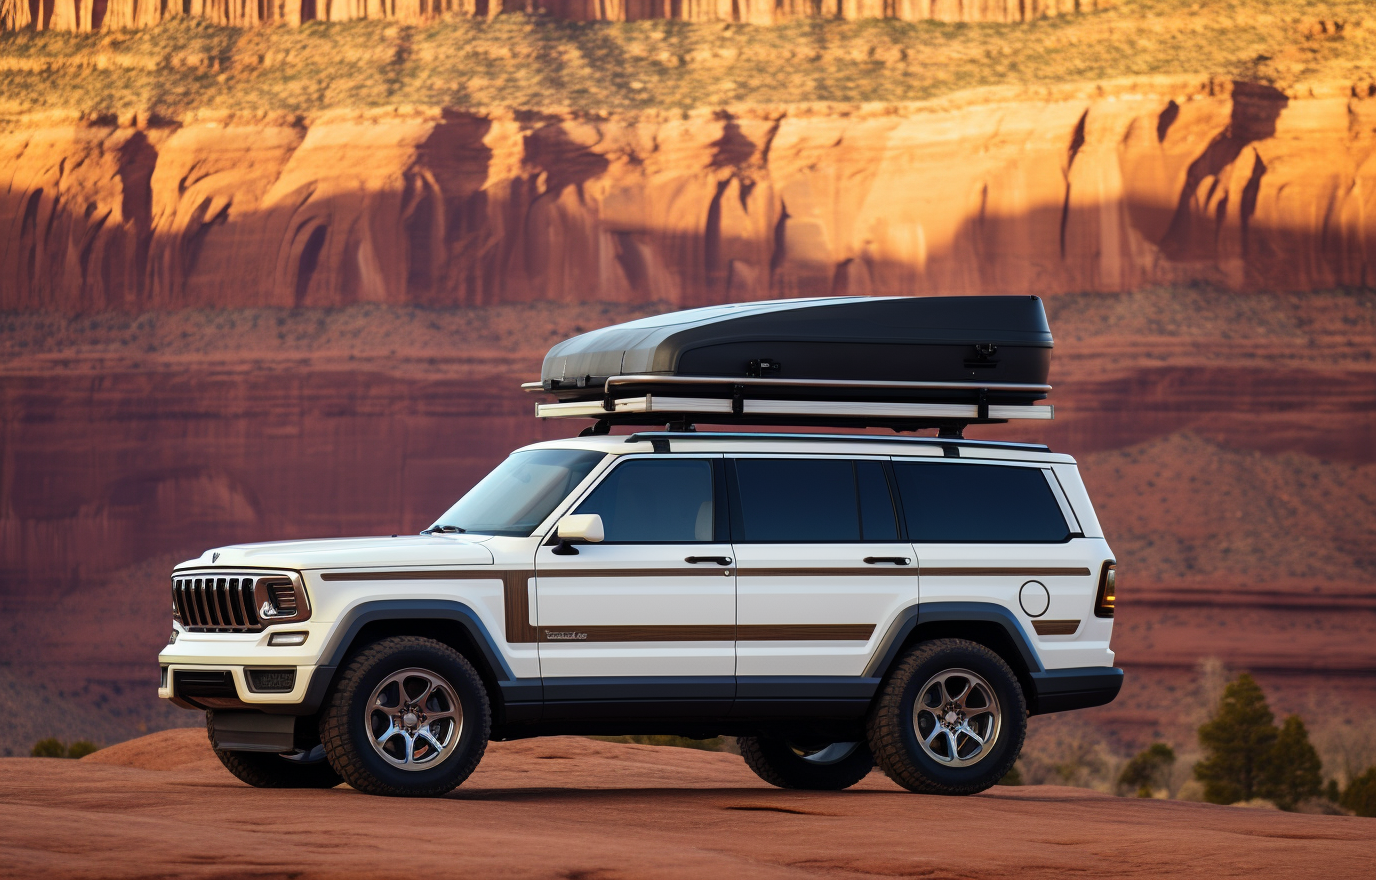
[802, 632]
[1055, 627]
[867, 571]
[1004, 572]
[695, 571]
[633, 633]
[516, 607]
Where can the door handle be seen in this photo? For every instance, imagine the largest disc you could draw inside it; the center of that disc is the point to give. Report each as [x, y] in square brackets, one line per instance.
[719, 560]
[896, 560]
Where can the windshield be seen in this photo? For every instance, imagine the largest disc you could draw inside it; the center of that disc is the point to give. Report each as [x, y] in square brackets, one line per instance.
[518, 495]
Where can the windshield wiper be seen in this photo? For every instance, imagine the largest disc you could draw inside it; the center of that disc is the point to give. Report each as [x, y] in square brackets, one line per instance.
[442, 530]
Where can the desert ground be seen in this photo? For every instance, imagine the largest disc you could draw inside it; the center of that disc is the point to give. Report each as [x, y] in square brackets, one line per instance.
[567, 807]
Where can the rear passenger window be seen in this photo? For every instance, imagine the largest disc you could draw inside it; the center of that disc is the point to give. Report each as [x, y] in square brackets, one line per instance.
[994, 504]
[811, 500]
[664, 501]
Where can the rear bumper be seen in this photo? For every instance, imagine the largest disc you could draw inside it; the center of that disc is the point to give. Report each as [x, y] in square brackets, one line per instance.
[1060, 690]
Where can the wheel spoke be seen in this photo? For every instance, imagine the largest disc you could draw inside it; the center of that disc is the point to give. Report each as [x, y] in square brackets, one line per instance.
[951, 742]
[425, 734]
[968, 731]
[936, 731]
[958, 699]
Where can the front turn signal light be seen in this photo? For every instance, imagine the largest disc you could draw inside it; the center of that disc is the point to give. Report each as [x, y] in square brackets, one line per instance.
[1104, 602]
[287, 640]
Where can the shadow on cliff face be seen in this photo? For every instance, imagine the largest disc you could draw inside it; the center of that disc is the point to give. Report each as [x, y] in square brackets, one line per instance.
[468, 210]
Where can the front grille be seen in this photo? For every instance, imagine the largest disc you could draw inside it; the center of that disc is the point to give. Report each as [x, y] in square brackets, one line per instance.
[217, 604]
[236, 602]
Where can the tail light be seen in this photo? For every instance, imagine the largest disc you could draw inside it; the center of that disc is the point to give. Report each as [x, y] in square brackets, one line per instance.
[1103, 603]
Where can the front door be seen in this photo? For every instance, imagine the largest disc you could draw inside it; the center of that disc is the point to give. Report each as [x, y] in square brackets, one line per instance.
[821, 567]
[647, 616]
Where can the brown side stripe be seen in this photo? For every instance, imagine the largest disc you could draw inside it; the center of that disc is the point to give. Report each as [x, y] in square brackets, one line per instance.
[426, 575]
[696, 571]
[710, 633]
[1005, 572]
[1055, 627]
[690, 633]
[802, 632]
[868, 571]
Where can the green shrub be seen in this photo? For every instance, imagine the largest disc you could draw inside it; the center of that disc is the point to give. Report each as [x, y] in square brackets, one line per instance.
[1012, 777]
[1360, 794]
[1237, 744]
[1148, 771]
[49, 748]
[81, 748]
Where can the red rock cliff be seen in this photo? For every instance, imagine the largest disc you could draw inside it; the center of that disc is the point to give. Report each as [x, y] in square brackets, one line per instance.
[1240, 186]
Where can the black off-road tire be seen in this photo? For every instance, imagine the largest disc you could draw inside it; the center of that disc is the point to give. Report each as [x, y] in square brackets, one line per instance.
[894, 739]
[346, 739]
[774, 760]
[266, 770]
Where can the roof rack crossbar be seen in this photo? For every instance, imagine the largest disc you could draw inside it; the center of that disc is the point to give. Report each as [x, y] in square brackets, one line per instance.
[652, 436]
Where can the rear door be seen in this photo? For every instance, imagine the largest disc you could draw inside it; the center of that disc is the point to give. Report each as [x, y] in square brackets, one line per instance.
[821, 565]
[1004, 532]
[650, 612]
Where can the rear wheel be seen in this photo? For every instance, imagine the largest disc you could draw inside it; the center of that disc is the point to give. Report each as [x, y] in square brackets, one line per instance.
[820, 766]
[950, 719]
[408, 717]
[300, 769]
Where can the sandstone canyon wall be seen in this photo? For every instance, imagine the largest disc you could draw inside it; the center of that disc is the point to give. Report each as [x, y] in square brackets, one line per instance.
[93, 15]
[1239, 186]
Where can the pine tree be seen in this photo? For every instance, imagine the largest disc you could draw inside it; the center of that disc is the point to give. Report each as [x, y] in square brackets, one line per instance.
[1238, 743]
[1296, 773]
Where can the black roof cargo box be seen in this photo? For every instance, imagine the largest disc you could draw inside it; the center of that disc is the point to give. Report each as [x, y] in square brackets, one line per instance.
[956, 349]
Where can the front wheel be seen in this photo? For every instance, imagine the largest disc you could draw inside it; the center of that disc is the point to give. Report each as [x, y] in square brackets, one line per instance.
[950, 719]
[408, 717]
[808, 765]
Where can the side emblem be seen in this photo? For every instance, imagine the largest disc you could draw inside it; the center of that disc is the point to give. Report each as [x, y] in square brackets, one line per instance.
[214, 557]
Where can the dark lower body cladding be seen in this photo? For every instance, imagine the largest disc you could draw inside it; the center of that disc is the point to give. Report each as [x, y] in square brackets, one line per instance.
[825, 707]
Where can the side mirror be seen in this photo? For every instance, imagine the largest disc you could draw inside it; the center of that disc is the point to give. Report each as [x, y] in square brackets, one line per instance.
[584, 527]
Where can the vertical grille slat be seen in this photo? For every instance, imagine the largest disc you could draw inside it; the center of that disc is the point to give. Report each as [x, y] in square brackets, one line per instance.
[230, 603]
[251, 604]
[198, 592]
[236, 604]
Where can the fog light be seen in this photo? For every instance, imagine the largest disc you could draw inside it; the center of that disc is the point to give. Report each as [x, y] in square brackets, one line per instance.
[272, 681]
[287, 640]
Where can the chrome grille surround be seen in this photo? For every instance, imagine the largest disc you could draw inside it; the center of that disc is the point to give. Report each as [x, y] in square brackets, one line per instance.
[229, 601]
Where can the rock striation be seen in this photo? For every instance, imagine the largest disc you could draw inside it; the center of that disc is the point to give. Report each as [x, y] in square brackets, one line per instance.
[1106, 189]
[94, 15]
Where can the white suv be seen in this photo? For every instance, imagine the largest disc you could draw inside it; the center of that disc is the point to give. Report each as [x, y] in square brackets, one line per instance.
[832, 600]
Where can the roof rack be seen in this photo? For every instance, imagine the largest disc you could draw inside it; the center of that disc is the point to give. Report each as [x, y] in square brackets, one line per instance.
[656, 437]
[639, 399]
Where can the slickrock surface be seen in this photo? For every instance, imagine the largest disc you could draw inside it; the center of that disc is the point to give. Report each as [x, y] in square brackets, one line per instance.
[569, 807]
[1103, 187]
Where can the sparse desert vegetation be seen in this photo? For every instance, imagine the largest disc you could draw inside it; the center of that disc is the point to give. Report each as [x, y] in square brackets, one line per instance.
[536, 63]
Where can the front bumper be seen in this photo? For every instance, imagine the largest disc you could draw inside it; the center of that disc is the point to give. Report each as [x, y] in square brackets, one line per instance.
[235, 653]
[1060, 690]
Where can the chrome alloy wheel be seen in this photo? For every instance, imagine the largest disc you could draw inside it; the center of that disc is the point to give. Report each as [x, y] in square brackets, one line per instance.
[830, 754]
[957, 718]
[414, 719]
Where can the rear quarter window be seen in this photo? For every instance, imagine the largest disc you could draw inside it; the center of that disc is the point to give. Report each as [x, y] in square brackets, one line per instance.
[978, 503]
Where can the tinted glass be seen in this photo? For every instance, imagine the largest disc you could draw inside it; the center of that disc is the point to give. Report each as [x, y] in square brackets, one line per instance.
[877, 522]
[518, 495]
[659, 501]
[797, 500]
[977, 502]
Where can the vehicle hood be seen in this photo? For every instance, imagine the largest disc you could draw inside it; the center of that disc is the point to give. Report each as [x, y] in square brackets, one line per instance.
[404, 550]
